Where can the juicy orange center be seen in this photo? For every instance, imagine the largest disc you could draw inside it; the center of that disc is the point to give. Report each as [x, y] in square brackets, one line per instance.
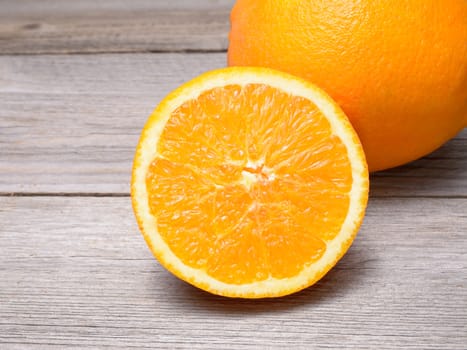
[248, 183]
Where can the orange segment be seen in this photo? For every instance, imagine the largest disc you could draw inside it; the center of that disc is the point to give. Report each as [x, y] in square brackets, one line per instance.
[239, 257]
[290, 246]
[249, 182]
[183, 211]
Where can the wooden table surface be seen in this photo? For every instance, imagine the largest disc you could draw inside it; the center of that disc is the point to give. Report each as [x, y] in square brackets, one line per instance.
[77, 81]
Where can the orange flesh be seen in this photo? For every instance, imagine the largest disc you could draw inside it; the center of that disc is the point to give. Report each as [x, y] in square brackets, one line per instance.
[249, 183]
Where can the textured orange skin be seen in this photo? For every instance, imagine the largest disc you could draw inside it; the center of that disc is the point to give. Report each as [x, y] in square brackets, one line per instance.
[397, 68]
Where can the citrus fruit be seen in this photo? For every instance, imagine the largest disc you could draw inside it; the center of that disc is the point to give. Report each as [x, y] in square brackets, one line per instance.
[398, 68]
[249, 182]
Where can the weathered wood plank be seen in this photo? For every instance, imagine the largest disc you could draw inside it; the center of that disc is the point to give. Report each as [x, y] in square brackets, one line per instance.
[54, 26]
[441, 173]
[75, 272]
[71, 123]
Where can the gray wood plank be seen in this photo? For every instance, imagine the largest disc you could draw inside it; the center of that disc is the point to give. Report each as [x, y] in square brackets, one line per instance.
[69, 124]
[54, 26]
[441, 173]
[75, 273]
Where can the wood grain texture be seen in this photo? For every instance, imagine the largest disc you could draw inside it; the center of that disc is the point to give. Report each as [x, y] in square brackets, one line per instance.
[441, 173]
[75, 272]
[70, 124]
[54, 26]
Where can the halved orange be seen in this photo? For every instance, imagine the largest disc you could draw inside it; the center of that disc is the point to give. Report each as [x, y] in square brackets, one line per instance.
[248, 182]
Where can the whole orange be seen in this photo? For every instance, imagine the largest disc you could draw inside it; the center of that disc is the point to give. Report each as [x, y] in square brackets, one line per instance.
[397, 68]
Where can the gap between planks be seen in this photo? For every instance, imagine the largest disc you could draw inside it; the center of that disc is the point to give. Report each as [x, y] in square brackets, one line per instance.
[116, 52]
[125, 195]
